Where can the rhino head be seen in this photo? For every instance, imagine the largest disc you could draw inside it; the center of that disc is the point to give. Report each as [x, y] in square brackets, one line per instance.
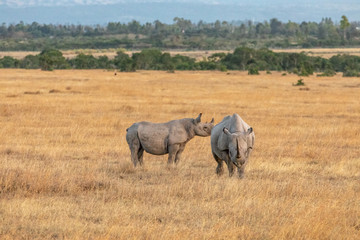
[240, 145]
[202, 129]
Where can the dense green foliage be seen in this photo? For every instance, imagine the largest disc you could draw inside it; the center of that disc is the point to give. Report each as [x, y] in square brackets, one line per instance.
[50, 59]
[243, 58]
[182, 34]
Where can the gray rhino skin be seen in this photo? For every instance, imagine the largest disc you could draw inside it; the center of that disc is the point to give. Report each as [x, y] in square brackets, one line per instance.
[164, 138]
[232, 141]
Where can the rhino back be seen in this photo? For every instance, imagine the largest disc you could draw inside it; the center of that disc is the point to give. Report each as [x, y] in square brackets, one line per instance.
[154, 137]
[237, 124]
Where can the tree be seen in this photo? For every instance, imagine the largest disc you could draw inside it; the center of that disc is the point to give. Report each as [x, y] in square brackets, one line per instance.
[52, 59]
[241, 57]
[134, 27]
[9, 62]
[344, 24]
[147, 59]
[291, 28]
[166, 63]
[182, 24]
[83, 61]
[30, 62]
[275, 26]
[103, 62]
[123, 62]
[183, 62]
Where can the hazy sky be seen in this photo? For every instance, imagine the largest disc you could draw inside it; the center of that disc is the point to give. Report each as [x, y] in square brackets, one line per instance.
[103, 11]
[327, 3]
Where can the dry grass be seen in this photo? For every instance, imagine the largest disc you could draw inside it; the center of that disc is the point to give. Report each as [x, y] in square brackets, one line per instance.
[323, 52]
[111, 53]
[198, 55]
[65, 169]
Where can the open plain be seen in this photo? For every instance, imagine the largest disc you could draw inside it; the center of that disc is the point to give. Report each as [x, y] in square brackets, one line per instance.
[66, 173]
[198, 55]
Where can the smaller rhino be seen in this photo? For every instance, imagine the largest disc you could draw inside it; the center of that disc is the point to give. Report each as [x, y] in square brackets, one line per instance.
[232, 141]
[164, 138]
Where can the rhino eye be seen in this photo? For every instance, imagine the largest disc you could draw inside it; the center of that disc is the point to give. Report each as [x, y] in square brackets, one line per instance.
[205, 128]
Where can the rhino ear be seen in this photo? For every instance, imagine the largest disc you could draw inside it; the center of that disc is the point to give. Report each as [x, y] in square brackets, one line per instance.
[226, 131]
[198, 119]
[212, 120]
[250, 130]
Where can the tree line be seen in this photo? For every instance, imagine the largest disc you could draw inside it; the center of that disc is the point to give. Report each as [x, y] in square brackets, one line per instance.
[181, 34]
[242, 58]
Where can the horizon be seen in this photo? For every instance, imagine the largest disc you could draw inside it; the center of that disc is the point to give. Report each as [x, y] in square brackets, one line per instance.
[93, 12]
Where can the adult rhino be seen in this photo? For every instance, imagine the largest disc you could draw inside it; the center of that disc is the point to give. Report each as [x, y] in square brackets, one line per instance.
[164, 138]
[232, 141]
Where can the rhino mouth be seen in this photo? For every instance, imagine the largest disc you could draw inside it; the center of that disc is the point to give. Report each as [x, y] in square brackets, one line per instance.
[239, 162]
[236, 164]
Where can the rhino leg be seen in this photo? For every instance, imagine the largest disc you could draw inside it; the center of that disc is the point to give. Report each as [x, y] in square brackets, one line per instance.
[173, 149]
[179, 152]
[230, 165]
[134, 145]
[219, 169]
[134, 156]
[140, 155]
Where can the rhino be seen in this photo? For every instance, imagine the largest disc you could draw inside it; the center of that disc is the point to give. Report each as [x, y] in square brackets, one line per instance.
[232, 141]
[164, 138]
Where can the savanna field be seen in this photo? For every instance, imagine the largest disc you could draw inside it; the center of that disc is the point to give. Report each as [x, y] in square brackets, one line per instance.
[66, 172]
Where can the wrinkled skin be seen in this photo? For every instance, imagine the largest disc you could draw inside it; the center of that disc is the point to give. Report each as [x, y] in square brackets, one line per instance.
[232, 141]
[164, 138]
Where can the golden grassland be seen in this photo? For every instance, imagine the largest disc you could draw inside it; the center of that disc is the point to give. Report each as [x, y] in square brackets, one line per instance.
[66, 173]
[323, 52]
[111, 53]
[198, 55]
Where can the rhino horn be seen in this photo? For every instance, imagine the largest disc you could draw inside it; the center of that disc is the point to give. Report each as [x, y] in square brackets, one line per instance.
[226, 131]
[198, 119]
[212, 120]
[237, 147]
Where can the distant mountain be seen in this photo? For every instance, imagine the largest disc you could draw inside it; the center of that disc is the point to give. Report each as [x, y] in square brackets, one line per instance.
[27, 3]
[104, 11]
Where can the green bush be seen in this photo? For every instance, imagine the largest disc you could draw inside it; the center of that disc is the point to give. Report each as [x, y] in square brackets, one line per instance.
[327, 73]
[253, 70]
[83, 61]
[299, 83]
[123, 62]
[148, 59]
[294, 71]
[52, 59]
[30, 62]
[351, 73]
[252, 60]
[222, 68]
[9, 62]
